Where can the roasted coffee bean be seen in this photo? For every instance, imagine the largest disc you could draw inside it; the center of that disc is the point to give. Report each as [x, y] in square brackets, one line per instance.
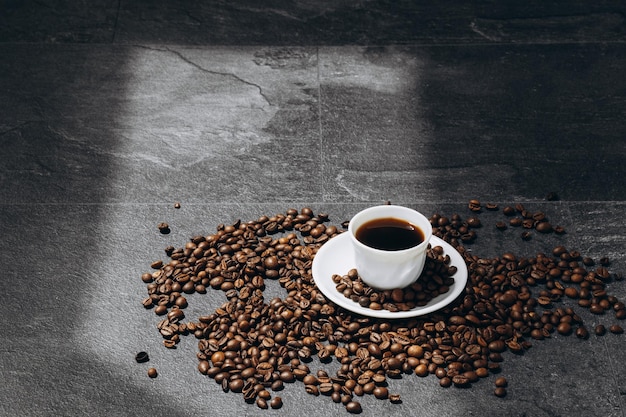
[501, 382]
[564, 328]
[276, 403]
[354, 407]
[164, 228]
[395, 398]
[203, 367]
[460, 381]
[262, 403]
[508, 210]
[236, 385]
[500, 392]
[596, 309]
[474, 205]
[264, 394]
[473, 222]
[381, 393]
[326, 388]
[249, 395]
[152, 373]
[421, 370]
[543, 227]
[142, 357]
[616, 329]
[497, 346]
[582, 332]
[277, 385]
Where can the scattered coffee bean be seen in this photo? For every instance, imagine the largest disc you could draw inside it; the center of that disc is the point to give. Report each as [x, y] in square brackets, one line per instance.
[508, 210]
[474, 205]
[616, 329]
[354, 407]
[395, 398]
[582, 333]
[164, 228]
[142, 357]
[473, 222]
[152, 373]
[177, 205]
[501, 382]
[500, 392]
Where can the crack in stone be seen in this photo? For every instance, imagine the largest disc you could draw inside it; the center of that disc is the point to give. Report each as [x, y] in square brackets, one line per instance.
[277, 12]
[475, 29]
[226, 74]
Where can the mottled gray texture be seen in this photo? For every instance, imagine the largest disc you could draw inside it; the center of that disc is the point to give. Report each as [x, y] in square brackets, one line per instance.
[112, 111]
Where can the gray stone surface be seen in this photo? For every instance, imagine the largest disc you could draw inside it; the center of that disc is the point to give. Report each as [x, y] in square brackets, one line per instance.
[111, 113]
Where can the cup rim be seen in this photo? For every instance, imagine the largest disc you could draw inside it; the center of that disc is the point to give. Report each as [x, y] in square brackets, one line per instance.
[427, 233]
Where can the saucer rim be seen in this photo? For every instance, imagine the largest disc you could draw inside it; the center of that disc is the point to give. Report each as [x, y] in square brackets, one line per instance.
[460, 278]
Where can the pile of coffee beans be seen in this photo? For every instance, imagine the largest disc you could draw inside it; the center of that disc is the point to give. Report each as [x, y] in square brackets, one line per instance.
[435, 280]
[253, 346]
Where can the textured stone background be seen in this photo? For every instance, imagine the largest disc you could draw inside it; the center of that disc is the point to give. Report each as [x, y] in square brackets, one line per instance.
[111, 111]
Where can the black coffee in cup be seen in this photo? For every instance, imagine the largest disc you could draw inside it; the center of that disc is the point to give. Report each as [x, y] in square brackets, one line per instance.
[389, 233]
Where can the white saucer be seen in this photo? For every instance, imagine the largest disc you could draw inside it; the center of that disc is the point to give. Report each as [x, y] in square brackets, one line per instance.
[336, 257]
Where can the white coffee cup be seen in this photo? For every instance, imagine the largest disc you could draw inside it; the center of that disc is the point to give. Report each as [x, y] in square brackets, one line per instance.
[389, 269]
